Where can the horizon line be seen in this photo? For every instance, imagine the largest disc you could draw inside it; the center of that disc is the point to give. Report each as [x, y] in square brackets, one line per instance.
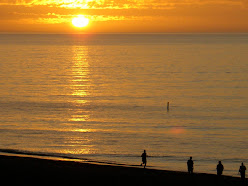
[121, 33]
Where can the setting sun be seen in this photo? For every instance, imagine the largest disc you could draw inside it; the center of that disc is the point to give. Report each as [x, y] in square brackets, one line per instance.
[80, 21]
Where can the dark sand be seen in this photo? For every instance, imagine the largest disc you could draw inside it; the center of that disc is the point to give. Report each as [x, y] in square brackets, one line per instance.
[35, 171]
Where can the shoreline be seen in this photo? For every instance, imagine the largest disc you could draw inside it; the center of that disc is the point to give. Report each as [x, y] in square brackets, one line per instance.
[26, 169]
[65, 157]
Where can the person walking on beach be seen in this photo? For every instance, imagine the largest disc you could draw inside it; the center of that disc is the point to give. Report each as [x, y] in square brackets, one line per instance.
[242, 170]
[190, 165]
[219, 169]
[144, 159]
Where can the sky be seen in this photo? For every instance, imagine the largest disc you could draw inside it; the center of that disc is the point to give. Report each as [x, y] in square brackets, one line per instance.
[55, 16]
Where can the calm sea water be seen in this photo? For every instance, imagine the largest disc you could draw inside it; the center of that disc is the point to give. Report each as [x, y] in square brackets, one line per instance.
[104, 97]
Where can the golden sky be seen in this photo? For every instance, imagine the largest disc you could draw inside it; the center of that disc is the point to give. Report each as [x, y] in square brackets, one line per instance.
[125, 15]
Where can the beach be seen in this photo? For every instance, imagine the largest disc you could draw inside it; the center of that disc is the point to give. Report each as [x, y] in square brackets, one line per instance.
[32, 170]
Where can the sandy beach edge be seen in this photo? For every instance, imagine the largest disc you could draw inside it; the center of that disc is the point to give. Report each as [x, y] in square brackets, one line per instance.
[34, 170]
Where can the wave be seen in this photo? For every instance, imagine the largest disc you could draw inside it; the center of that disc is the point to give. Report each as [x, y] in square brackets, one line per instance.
[24, 152]
[66, 157]
[91, 158]
[106, 158]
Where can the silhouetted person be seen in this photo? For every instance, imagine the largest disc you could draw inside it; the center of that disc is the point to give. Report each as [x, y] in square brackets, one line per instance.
[242, 170]
[144, 158]
[219, 169]
[190, 164]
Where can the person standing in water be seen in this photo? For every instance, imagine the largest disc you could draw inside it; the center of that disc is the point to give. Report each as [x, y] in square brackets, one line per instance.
[242, 170]
[190, 165]
[144, 161]
[219, 169]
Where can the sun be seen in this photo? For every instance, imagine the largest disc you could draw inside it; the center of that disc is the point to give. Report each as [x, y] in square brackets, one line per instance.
[80, 21]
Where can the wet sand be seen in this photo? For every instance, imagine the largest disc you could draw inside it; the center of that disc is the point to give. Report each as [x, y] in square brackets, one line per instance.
[17, 170]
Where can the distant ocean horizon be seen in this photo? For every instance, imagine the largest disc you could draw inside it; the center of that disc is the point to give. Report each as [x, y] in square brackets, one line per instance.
[104, 97]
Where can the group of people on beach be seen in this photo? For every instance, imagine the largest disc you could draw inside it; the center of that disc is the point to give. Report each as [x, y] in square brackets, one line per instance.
[219, 168]
[190, 165]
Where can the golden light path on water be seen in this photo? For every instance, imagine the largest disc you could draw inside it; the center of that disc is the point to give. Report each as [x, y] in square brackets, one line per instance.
[80, 73]
[79, 91]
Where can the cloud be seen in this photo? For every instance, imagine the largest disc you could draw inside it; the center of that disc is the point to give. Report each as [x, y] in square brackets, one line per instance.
[120, 4]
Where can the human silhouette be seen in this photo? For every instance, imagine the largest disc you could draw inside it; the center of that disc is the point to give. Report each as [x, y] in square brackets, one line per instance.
[190, 164]
[242, 170]
[219, 169]
[144, 159]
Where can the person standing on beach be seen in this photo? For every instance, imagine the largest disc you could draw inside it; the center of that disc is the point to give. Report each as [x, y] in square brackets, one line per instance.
[220, 169]
[242, 170]
[190, 165]
[144, 159]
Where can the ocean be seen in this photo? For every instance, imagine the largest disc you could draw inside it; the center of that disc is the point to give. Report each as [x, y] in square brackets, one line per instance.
[103, 97]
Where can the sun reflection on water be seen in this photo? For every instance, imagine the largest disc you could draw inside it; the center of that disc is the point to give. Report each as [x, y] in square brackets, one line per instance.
[84, 117]
[78, 141]
[80, 83]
